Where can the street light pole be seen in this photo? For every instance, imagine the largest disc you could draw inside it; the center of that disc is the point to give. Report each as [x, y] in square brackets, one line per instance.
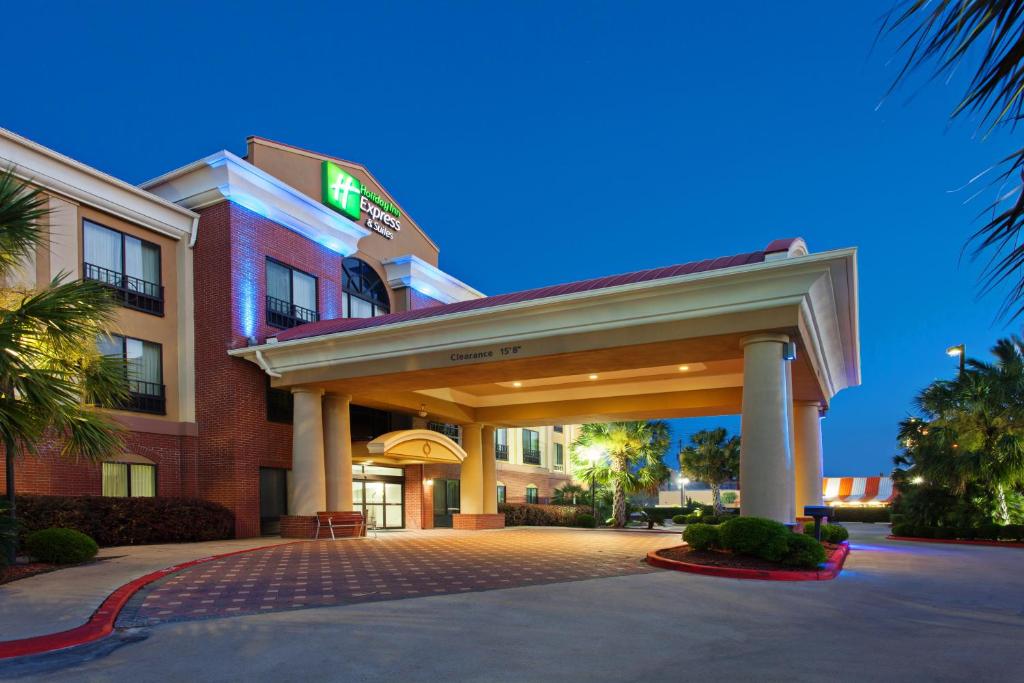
[961, 351]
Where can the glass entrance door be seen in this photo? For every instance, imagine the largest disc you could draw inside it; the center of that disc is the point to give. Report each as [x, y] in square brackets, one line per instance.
[273, 499]
[380, 503]
[446, 501]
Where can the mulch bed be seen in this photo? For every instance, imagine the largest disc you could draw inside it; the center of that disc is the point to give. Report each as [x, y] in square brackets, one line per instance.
[23, 571]
[721, 558]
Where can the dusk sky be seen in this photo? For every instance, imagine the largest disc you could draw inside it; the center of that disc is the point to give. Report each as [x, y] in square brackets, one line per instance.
[543, 143]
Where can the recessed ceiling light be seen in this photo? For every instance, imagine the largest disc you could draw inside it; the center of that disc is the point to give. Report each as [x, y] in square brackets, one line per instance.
[684, 368]
[593, 377]
[517, 384]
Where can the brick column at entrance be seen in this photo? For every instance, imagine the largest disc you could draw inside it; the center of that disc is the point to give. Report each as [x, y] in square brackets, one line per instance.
[472, 514]
[490, 476]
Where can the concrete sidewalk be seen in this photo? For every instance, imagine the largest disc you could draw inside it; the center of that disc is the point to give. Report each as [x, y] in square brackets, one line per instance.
[66, 598]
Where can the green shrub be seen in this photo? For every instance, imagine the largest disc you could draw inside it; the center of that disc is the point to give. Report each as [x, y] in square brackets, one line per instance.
[965, 532]
[680, 519]
[1012, 532]
[902, 529]
[60, 546]
[945, 532]
[924, 531]
[764, 538]
[803, 551]
[695, 518]
[128, 521]
[836, 533]
[586, 520]
[988, 532]
[8, 534]
[527, 514]
[868, 515]
[701, 536]
[667, 512]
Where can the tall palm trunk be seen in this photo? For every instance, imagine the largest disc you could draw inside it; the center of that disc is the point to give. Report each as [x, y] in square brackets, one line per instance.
[618, 492]
[9, 451]
[716, 498]
[1002, 509]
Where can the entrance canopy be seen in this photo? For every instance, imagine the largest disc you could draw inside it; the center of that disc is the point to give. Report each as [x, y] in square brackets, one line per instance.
[413, 446]
[661, 343]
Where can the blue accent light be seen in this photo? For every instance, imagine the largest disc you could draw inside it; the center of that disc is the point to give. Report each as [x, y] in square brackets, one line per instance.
[247, 308]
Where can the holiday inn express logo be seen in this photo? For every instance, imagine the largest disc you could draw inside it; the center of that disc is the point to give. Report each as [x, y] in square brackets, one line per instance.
[344, 193]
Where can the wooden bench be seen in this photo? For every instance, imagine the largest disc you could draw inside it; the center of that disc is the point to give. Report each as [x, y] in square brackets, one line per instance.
[340, 520]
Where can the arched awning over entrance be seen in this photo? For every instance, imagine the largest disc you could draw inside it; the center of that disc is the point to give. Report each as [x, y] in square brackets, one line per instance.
[411, 446]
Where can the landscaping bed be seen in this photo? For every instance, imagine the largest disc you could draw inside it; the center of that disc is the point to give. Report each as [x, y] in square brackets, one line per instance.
[729, 565]
[23, 571]
[959, 541]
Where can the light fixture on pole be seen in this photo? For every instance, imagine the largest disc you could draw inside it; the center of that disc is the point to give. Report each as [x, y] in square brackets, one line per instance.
[683, 481]
[961, 351]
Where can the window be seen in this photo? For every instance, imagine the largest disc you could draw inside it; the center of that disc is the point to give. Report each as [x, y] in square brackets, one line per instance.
[129, 480]
[559, 458]
[363, 292]
[453, 432]
[280, 404]
[501, 444]
[558, 429]
[531, 447]
[501, 494]
[291, 296]
[144, 367]
[531, 494]
[126, 264]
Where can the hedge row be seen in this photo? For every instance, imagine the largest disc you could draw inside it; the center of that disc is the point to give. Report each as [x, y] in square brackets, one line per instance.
[871, 515]
[128, 521]
[527, 514]
[985, 532]
[757, 537]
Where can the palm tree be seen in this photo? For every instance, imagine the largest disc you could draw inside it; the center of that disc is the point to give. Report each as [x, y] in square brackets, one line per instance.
[629, 458]
[570, 494]
[973, 431]
[713, 458]
[50, 362]
[987, 37]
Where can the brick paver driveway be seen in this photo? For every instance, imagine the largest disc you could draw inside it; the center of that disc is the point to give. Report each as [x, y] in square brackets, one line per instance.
[395, 566]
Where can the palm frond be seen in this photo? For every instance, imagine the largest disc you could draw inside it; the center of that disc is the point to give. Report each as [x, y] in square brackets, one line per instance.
[21, 208]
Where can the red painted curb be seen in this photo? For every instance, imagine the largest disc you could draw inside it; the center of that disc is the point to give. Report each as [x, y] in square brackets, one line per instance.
[832, 568]
[101, 623]
[958, 541]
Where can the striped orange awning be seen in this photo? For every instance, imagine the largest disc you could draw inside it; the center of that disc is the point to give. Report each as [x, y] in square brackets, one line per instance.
[838, 490]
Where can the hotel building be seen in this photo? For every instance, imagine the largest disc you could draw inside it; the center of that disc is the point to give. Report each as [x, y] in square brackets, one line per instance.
[295, 347]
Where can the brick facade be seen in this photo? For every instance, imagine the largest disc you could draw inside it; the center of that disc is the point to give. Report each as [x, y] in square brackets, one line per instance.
[516, 481]
[478, 522]
[48, 473]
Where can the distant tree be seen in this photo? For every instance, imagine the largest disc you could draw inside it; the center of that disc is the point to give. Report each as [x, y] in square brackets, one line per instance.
[570, 494]
[630, 459]
[713, 458]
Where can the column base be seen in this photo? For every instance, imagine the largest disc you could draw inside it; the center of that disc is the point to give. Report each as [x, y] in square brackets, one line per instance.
[304, 526]
[478, 522]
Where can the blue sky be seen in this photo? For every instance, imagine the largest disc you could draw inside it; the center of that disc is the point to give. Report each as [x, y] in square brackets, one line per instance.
[616, 136]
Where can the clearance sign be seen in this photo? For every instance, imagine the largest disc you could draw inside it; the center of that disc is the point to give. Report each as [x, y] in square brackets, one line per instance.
[343, 192]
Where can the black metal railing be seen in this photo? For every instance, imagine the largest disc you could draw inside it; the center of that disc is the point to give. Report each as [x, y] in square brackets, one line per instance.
[285, 314]
[501, 451]
[531, 456]
[145, 397]
[558, 429]
[449, 430]
[133, 292]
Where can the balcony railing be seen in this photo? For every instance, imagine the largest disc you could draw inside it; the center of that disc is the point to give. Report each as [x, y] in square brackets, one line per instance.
[451, 431]
[501, 451]
[145, 397]
[531, 456]
[133, 292]
[284, 314]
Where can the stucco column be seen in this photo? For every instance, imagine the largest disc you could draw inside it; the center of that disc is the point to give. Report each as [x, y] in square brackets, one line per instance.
[766, 458]
[490, 475]
[471, 486]
[807, 456]
[338, 452]
[307, 494]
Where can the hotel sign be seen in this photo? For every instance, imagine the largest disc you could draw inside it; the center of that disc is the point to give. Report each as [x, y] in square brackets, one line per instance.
[344, 193]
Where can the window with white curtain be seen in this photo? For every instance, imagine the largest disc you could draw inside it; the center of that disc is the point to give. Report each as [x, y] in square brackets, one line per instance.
[128, 264]
[291, 296]
[144, 368]
[129, 479]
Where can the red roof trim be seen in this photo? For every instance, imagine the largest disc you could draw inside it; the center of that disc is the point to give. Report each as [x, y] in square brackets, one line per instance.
[336, 325]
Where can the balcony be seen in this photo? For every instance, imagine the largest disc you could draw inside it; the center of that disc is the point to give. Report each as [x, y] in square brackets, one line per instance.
[451, 431]
[145, 397]
[132, 292]
[284, 314]
[531, 456]
[501, 451]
